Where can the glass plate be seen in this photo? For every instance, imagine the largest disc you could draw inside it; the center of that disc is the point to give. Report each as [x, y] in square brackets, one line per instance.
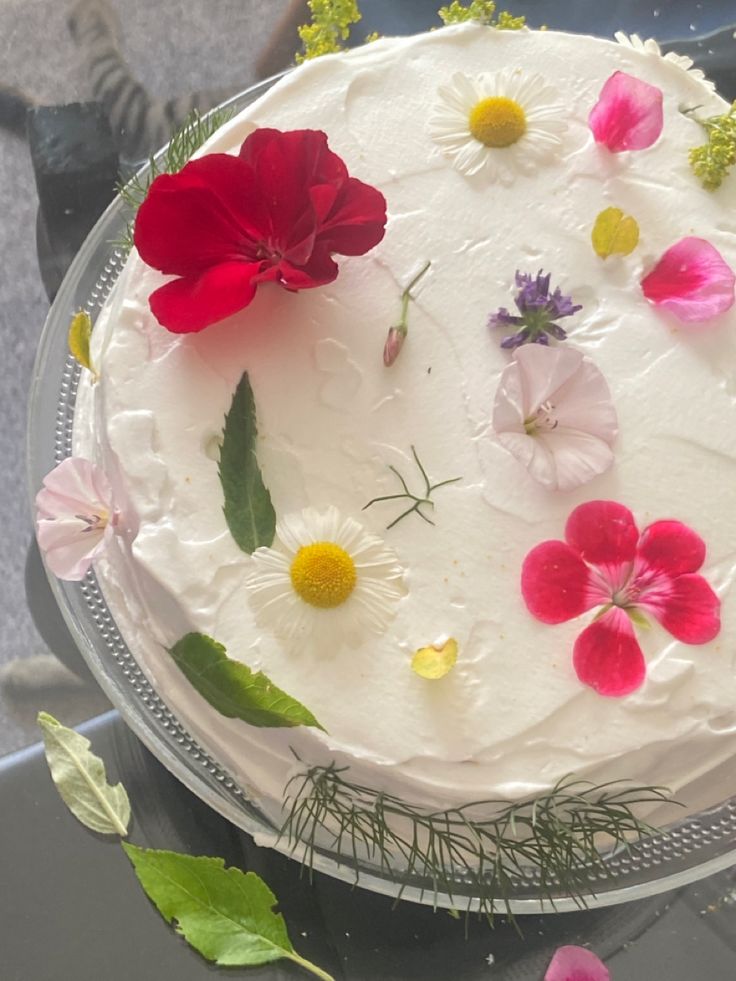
[695, 848]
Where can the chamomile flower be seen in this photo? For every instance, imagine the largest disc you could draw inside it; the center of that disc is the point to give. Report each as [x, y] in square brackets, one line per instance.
[650, 47]
[498, 123]
[326, 580]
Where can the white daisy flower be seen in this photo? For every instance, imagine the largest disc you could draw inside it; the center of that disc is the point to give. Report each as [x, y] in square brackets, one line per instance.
[326, 580]
[651, 47]
[498, 123]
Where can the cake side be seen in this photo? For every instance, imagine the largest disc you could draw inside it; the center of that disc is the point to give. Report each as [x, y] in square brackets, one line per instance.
[512, 717]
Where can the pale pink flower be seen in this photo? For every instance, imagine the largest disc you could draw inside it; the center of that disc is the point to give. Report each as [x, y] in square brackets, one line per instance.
[692, 281]
[576, 964]
[75, 517]
[553, 411]
[628, 114]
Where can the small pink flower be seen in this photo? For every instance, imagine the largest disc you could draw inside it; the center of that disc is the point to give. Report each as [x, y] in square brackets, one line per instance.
[576, 964]
[75, 517]
[628, 114]
[606, 562]
[553, 411]
[394, 343]
[692, 281]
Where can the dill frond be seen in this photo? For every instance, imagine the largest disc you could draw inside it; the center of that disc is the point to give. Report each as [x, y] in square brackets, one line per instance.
[551, 842]
[482, 11]
[191, 135]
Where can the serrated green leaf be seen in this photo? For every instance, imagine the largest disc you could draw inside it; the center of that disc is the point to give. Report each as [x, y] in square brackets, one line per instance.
[225, 914]
[80, 778]
[248, 509]
[233, 689]
[80, 332]
[614, 233]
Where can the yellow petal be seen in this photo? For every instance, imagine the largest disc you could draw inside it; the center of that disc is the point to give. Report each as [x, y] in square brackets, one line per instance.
[615, 233]
[80, 331]
[435, 661]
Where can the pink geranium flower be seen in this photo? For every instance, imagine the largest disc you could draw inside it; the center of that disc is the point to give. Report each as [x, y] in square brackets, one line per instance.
[606, 562]
[553, 411]
[692, 280]
[628, 114]
[75, 517]
[576, 964]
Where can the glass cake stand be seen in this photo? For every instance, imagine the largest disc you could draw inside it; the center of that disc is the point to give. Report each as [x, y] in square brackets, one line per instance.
[697, 847]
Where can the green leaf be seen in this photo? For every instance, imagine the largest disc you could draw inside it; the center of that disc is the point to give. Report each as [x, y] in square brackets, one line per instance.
[80, 778]
[615, 233]
[225, 914]
[248, 509]
[80, 331]
[233, 689]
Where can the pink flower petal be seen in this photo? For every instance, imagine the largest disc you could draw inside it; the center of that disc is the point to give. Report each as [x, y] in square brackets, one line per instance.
[671, 547]
[75, 517]
[603, 532]
[553, 412]
[692, 281]
[555, 583]
[576, 964]
[607, 656]
[628, 114]
[687, 607]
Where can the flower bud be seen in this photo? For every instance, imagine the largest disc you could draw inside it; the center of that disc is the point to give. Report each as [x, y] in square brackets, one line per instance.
[393, 346]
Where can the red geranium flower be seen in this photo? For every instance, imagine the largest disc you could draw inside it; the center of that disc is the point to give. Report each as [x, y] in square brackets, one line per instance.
[276, 212]
[606, 562]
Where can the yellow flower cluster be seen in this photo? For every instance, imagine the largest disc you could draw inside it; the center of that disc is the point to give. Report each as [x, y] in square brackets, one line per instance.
[712, 162]
[331, 23]
[482, 11]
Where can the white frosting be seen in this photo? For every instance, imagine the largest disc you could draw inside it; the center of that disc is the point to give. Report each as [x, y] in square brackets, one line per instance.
[512, 717]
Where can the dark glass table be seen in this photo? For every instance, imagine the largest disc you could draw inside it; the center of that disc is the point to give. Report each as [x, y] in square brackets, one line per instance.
[70, 907]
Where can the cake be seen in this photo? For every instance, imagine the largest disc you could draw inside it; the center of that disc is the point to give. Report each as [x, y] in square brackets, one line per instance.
[514, 514]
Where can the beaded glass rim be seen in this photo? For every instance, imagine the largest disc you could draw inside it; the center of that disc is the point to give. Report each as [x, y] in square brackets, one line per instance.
[694, 848]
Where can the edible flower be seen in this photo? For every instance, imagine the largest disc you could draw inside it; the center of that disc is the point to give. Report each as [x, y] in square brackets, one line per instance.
[75, 517]
[606, 562]
[276, 212]
[628, 114]
[397, 334]
[553, 412]
[692, 281]
[572, 963]
[539, 312]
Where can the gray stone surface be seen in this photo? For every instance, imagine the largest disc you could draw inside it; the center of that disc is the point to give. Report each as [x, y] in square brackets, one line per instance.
[174, 47]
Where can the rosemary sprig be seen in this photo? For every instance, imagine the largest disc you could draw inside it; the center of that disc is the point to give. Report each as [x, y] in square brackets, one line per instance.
[482, 11]
[418, 500]
[712, 161]
[329, 27]
[185, 141]
[475, 851]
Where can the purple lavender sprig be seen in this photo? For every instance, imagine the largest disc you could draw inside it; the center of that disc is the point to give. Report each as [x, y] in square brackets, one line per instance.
[538, 311]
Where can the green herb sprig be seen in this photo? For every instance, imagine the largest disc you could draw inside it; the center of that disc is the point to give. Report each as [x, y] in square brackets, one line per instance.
[555, 836]
[482, 11]
[712, 162]
[416, 507]
[184, 143]
[329, 27]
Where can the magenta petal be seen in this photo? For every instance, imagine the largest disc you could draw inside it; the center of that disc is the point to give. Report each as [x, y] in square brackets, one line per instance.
[671, 547]
[628, 114]
[604, 532]
[692, 281]
[576, 964]
[689, 609]
[607, 656]
[555, 583]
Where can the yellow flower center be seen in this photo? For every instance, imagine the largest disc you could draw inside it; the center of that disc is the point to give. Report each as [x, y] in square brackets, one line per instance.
[323, 574]
[497, 121]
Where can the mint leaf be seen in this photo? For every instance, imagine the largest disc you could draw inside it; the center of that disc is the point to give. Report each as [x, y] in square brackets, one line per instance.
[80, 778]
[248, 509]
[233, 689]
[225, 914]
